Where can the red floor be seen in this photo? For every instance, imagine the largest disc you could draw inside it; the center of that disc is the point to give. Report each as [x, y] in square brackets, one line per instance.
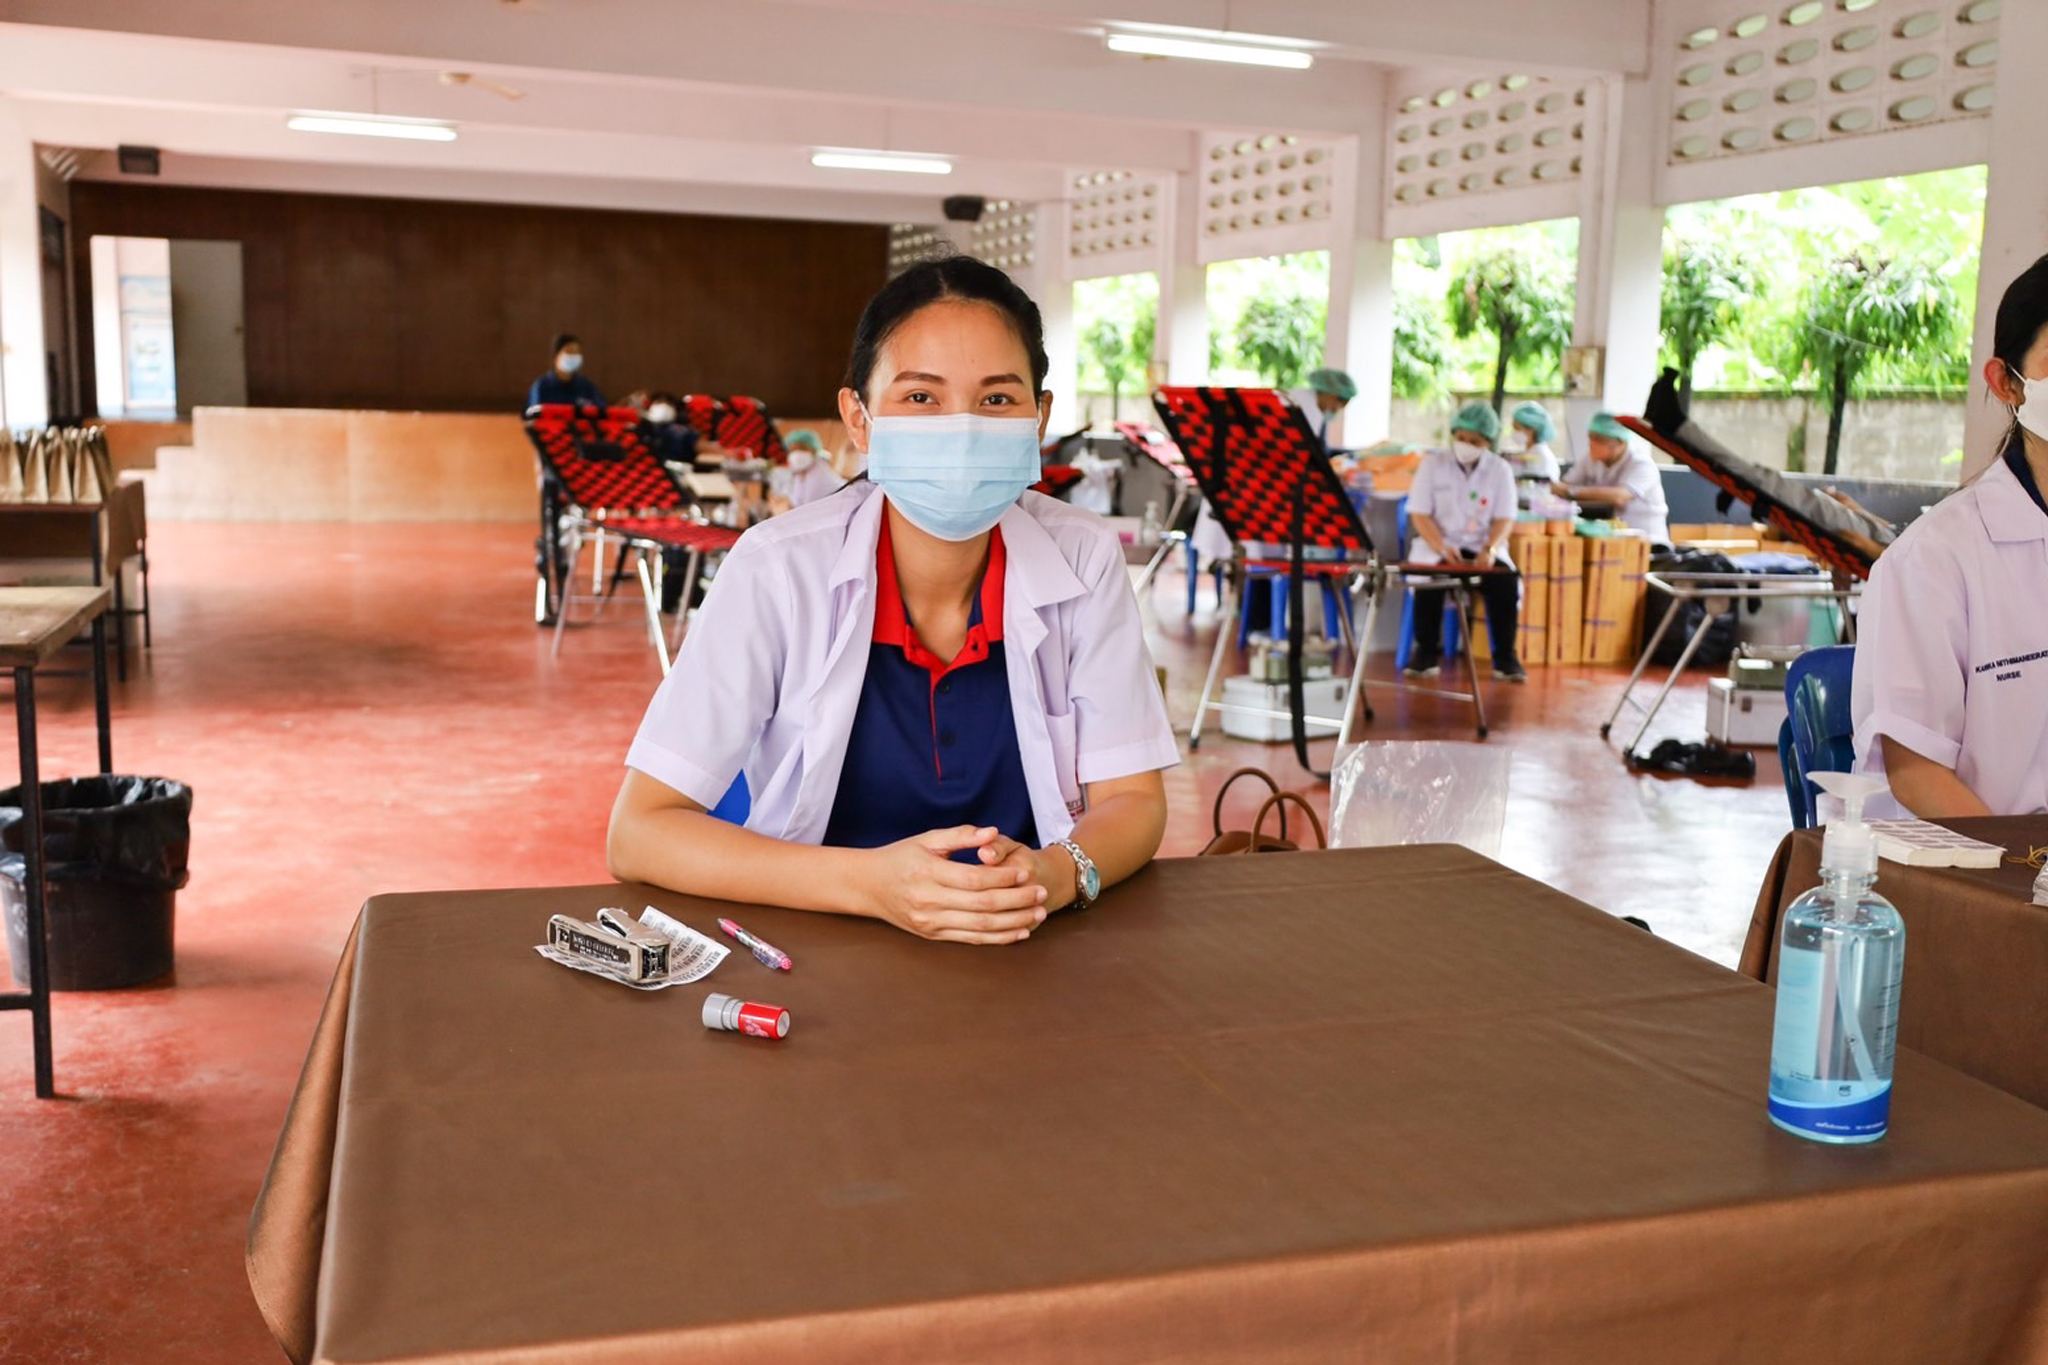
[366, 709]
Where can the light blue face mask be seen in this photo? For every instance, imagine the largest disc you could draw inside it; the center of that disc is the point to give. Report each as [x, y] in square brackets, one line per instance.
[953, 475]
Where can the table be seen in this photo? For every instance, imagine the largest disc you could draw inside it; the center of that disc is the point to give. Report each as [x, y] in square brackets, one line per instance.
[1393, 1104]
[34, 624]
[1720, 591]
[1975, 993]
[106, 533]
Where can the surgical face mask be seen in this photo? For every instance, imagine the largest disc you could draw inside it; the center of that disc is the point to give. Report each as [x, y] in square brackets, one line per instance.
[2032, 412]
[953, 475]
[1467, 453]
[801, 459]
[1515, 444]
[569, 364]
[661, 412]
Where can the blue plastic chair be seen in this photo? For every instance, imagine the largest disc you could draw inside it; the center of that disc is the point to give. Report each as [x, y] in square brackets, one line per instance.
[1819, 734]
[1450, 641]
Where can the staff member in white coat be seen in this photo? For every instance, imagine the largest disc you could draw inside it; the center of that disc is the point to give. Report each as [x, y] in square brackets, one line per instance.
[1950, 693]
[810, 477]
[935, 682]
[1619, 477]
[1460, 511]
[1532, 458]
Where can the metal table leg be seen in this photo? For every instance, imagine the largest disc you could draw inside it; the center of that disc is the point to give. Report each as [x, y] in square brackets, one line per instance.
[1361, 637]
[1226, 631]
[37, 1001]
[1677, 670]
[1460, 594]
[1642, 662]
[100, 709]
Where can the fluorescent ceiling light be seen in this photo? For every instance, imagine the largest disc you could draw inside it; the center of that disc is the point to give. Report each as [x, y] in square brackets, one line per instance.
[881, 161]
[362, 125]
[1149, 45]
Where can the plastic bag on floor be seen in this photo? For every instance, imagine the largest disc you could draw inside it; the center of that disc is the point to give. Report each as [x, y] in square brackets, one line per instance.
[1420, 792]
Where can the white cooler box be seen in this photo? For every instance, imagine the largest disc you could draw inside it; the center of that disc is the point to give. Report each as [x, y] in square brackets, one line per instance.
[1322, 697]
[1744, 715]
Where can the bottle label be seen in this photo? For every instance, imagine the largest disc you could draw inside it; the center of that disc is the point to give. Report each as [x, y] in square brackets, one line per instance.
[1854, 1119]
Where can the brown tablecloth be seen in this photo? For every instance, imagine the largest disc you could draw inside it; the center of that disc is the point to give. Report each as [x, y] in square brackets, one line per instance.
[1975, 991]
[1389, 1104]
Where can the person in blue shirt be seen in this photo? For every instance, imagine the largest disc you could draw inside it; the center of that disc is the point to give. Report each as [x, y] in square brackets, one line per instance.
[566, 382]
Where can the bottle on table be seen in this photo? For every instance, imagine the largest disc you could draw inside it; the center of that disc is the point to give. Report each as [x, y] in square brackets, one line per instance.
[1841, 951]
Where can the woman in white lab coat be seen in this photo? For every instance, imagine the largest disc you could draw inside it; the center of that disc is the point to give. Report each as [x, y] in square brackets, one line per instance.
[935, 682]
[1950, 695]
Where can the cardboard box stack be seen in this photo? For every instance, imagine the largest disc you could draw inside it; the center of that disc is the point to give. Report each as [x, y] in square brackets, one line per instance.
[1614, 588]
[1582, 599]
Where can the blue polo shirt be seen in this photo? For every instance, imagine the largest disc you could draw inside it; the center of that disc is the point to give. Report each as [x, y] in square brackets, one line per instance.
[934, 742]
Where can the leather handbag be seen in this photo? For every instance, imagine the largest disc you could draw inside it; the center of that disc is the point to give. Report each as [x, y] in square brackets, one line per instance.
[1255, 839]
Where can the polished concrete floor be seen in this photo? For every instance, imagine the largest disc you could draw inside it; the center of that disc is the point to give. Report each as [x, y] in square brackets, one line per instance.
[369, 708]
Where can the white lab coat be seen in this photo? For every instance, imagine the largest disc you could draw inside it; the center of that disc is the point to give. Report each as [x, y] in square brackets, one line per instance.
[769, 676]
[1536, 461]
[1952, 645]
[808, 485]
[1646, 511]
[1464, 503]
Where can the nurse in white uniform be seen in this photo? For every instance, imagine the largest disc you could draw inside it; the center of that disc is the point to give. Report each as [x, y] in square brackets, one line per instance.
[1950, 694]
[1532, 458]
[935, 682]
[1619, 477]
[1461, 510]
[810, 477]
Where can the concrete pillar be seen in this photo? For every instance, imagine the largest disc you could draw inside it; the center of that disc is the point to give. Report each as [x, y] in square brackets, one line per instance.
[1359, 335]
[2015, 212]
[1050, 286]
[1180, 347]
[1621, 251]
[24, 383]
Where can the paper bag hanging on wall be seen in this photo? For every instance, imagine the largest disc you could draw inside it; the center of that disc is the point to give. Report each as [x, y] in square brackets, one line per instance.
[10, 468]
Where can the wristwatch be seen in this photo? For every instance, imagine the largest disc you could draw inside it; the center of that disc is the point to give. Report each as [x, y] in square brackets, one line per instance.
[1087, 881]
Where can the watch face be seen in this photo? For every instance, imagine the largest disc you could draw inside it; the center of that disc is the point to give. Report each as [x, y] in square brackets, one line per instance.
[1091, 881]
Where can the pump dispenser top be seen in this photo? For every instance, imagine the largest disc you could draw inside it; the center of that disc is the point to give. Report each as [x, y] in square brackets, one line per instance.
[1849, 849]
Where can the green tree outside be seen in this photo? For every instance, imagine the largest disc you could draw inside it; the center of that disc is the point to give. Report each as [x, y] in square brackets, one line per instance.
[1520, 296]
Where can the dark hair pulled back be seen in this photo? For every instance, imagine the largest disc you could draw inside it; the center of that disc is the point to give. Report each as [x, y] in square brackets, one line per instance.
[2022, 314]
[564, 339]
[944, 277]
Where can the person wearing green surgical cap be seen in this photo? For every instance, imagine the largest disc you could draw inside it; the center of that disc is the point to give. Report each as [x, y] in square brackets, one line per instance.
[810, 477]
[1460, 510]
[1619, 479]
[1532, 459]
[1333, 389]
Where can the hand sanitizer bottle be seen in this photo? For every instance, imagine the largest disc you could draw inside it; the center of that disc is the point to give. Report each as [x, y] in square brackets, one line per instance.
[1839, 960]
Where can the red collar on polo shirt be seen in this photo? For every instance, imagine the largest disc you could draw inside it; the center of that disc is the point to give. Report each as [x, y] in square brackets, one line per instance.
[892, 622]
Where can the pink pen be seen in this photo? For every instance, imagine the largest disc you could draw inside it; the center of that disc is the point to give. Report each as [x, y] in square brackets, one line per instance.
[768, 954]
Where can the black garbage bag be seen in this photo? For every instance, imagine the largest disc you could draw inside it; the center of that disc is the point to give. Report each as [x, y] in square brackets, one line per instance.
[1717, 647]
[115, 854]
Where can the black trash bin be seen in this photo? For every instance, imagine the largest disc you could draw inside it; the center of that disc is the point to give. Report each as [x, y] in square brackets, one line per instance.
[114, 851]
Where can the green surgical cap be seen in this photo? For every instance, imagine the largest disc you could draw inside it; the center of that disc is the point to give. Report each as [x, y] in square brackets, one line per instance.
[1336, 383]
[1603, 424]
[1478, 419]
[1537, 418]
[804, 436]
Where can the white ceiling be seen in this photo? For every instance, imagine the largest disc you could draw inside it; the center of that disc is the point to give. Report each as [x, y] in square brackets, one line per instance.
[716, 105]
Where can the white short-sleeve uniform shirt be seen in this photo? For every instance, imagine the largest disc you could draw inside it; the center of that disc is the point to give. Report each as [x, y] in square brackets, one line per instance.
[1952, 644]
[1464, 503]
[770, 675]
[1646, 511]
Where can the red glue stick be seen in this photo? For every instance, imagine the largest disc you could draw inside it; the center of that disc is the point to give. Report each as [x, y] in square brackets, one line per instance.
[745, 1016]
